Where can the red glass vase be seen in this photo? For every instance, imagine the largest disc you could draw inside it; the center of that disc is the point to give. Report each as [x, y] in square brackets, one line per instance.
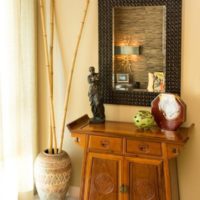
[169, 111]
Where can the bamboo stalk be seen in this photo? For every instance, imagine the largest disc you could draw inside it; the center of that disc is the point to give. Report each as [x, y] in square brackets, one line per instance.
[51, 137]
[47, 62]
[52, 11]
[68, 90]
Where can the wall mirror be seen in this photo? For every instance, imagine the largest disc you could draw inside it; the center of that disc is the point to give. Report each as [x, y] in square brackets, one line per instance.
[139, 49]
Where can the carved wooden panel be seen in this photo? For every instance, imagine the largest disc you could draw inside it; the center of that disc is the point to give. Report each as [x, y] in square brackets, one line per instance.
[145, 180]
[104, 177]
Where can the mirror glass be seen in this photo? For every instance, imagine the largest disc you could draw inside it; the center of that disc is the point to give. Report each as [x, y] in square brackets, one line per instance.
[139, 48]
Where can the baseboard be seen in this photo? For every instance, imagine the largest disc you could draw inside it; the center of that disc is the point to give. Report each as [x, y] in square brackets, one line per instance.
[74, 192]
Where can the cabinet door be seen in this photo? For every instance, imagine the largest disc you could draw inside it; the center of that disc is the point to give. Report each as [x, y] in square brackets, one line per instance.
[103, 177]
[144, 179]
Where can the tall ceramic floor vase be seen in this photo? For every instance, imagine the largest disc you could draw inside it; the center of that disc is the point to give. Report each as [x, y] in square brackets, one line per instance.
[52, 174]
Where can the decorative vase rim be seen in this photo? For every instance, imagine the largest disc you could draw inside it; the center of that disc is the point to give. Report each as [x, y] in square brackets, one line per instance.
[52, 154]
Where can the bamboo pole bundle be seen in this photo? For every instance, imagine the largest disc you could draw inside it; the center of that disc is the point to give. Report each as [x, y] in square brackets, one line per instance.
[47, 62]
[68, 90]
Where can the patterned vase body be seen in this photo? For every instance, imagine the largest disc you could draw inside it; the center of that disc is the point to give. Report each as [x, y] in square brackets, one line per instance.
[169, 111]
[52, 174]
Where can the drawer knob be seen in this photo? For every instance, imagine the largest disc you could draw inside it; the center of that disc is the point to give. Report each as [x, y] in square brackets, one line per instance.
[123, 188]
[143, 147]
[174, 150]
[77, 140]
[104, 143]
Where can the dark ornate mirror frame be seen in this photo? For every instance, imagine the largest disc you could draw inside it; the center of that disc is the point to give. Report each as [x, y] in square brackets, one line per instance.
[173, 51]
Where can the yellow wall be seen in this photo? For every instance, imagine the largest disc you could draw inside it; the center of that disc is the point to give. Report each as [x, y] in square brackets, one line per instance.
[69, 14]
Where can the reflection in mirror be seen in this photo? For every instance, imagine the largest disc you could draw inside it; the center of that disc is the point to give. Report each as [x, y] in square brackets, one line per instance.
[139, 48]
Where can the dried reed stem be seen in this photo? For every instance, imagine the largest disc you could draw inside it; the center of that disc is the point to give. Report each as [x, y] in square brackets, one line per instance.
[68, 90]
[47, 62]
[52, 11]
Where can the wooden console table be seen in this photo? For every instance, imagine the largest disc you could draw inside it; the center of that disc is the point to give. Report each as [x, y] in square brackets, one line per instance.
[124, 163]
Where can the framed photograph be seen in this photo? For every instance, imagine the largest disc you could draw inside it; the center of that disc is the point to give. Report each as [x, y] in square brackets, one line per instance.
[122, 78]
[159, 82]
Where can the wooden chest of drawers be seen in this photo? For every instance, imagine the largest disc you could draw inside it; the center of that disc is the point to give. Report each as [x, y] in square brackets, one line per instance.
[123, 163]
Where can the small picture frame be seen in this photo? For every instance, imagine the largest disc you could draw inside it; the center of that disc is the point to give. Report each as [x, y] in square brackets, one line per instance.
[159, 82]
[122, 78]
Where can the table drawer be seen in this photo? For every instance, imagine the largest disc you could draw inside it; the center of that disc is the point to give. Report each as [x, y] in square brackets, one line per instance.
[106, 144]
[143, 147]
[173, 150]
[79, 139]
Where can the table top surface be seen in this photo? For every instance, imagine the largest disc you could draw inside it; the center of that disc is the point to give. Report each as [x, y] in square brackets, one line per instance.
[127, 129]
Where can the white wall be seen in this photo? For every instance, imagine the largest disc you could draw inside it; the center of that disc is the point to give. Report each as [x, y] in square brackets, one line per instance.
[68, 18]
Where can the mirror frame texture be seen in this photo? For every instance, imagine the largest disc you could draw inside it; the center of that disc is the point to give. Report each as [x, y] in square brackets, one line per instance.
[173, 51]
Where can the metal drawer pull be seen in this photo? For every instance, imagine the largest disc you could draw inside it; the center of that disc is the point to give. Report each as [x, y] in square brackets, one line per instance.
[143, 147]
[104, 143]
[174, 150]
[77, 139]
[123, 188]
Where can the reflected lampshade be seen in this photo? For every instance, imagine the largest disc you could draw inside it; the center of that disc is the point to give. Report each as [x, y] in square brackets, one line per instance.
[127, 50]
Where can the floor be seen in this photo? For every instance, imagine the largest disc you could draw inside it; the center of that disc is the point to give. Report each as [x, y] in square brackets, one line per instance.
[73, 193]
[68, 198]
